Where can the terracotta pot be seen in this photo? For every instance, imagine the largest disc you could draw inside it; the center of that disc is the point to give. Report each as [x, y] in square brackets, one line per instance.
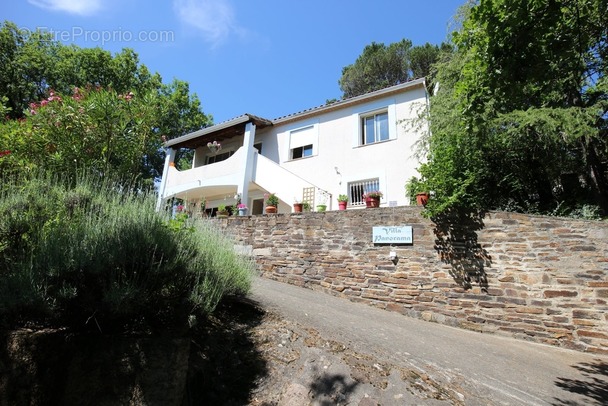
[372, 202]
[297, 207]
[422, 199]
[342, 205]
[271, 209]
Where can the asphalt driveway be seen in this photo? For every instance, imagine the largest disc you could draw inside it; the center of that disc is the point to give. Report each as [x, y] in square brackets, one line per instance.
[486, 369]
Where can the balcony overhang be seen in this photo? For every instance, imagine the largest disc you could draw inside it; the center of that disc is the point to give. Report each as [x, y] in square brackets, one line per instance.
[219, 132]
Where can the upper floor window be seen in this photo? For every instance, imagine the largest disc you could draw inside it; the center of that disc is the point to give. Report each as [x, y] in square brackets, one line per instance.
[374, 128]
[302, 142]
[301, 152]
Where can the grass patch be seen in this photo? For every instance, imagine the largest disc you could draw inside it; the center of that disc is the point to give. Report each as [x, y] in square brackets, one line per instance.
[95, 255]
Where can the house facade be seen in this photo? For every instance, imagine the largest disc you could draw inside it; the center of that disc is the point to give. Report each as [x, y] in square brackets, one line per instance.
[349, 147]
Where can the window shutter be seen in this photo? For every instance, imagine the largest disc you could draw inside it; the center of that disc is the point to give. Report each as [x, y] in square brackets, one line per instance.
[302, 137]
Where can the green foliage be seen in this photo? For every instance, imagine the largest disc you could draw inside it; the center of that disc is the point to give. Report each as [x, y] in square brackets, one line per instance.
[519, 121]
[272, 200]
[100, 130]
[97, 256]
[381, 66]
[343, 198]
[413, 187]
[97, 129]
[71, 107]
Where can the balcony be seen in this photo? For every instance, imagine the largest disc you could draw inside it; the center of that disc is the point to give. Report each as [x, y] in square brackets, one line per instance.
[220, 176]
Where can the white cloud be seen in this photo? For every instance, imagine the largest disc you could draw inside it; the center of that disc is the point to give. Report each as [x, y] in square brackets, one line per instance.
[213, 18]
[80, 7]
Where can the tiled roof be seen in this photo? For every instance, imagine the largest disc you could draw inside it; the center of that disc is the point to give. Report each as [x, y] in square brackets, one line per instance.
[242, 119]
[350, 101]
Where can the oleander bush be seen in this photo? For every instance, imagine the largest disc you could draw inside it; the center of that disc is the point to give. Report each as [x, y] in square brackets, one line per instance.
[96, 255]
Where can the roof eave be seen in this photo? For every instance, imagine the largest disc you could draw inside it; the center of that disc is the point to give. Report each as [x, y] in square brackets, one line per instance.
[243, 119]
[351, 101]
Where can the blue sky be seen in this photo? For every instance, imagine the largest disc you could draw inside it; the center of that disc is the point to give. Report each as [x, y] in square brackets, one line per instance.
[268, 57]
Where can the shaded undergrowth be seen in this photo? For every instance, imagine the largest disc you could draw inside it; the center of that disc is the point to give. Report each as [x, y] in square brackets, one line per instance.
[225, 364]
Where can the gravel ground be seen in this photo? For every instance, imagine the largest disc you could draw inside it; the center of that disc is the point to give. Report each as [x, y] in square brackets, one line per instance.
[254, 356]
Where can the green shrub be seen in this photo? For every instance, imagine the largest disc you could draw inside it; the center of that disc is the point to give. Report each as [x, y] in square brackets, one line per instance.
[98, 256]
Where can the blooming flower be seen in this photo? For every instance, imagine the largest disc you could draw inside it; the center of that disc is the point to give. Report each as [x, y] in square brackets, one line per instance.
[373, 194]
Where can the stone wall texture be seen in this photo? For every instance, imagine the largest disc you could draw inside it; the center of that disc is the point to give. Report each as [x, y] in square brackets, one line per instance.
[536, 278]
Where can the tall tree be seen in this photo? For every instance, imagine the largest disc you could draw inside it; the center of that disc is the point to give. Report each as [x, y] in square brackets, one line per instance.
[528, 84]
[381, 66]
[71, 107]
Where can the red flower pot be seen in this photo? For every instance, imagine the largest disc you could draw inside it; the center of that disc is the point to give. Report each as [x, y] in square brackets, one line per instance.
[422, 199]
[372, 202]
[342, 205]
[271, 209]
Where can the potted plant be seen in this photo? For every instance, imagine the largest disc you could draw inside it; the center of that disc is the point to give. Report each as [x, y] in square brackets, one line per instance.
[306, 206]
[422, 198]
[416, 191]
[272, 202]
[297, 205]
[222, 211]
[214, 147]
[372, 198]
[322, 198]
[242, 208]
[342, 202]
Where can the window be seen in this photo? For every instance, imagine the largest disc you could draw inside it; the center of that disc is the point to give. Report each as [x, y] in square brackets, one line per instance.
[374, 128]
[357, 189]
[211, 159]
[301, 142]
[301, 152]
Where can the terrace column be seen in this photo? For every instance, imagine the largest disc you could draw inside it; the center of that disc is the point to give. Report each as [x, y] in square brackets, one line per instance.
[169, 158]
[247, 169]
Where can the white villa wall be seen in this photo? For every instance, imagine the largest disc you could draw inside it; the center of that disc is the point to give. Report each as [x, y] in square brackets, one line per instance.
[337, 156]
[392, 161]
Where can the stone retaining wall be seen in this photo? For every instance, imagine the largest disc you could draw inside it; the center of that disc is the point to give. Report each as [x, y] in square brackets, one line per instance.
[537, 278]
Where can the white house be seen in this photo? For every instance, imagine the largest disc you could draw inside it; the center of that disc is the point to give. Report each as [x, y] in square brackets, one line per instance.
[344, 148]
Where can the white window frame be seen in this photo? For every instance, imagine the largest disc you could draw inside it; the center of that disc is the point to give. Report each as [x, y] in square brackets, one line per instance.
[310, 139]
[303, 148]
[373, 109]
[376, 128]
